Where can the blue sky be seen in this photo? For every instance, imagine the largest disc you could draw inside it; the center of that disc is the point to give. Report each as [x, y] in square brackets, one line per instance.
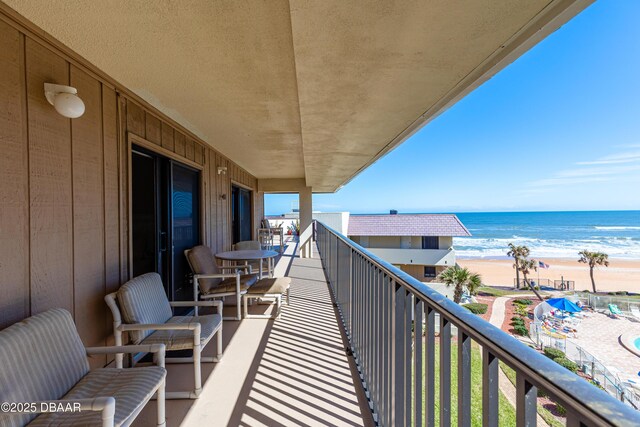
[559, 129]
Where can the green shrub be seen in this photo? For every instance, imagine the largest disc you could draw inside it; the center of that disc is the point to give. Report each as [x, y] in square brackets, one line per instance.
[622, 293]
[566, 363]
[562, 411]
[553, 353]
[521, 311]
[517, 321]
[516, 317]
[476, 308]
[521, 330]
[523, 301]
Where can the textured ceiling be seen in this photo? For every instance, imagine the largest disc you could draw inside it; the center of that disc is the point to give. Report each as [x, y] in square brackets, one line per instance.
[290, 89]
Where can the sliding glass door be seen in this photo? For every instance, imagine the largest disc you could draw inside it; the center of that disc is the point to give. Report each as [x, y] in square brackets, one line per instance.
[165, 219]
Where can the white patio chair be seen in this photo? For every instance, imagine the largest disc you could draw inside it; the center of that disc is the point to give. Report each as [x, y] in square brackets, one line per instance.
[210, 284]
[141, 308]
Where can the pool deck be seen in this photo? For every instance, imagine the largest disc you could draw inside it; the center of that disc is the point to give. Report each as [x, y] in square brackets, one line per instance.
[599, 335]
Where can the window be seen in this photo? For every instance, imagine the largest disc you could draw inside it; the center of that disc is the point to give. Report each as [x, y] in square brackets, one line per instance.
[429, 271]
[430, 242]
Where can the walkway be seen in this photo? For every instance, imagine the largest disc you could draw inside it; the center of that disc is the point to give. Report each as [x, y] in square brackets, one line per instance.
[289, 372]
[497, 318]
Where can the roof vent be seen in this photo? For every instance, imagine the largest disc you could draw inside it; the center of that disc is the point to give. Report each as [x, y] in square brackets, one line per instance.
[393, 212]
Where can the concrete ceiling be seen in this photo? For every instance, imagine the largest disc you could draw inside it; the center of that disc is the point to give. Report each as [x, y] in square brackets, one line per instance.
[300, 89]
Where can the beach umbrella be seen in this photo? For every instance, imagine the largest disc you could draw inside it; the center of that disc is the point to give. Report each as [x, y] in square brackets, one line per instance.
[563, 304]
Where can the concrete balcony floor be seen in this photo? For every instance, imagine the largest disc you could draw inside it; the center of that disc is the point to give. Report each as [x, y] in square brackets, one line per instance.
[286, 372]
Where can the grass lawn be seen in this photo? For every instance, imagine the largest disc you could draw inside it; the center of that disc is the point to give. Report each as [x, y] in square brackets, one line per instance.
[507, 412]
[496, 292]
[542, 411]
[500, 292]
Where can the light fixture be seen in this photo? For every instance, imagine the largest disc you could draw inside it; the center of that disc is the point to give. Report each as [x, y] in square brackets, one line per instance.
[65, 100]
[222, 170]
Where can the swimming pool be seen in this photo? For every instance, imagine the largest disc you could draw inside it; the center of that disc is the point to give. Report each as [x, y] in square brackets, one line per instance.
[631, 341]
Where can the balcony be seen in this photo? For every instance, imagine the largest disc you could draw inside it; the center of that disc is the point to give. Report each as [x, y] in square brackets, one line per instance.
[291, 371]
[438, 257]
[295, 370]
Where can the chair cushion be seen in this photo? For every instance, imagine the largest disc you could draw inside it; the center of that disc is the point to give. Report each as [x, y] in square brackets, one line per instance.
[41, 358]
[183, 339]
[202, 262]
[143, 300]
[247, 245]
[229, 285]
[274, 285]
[131, 388]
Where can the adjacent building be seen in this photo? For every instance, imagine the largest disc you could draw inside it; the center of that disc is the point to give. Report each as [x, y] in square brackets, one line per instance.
[419, 244]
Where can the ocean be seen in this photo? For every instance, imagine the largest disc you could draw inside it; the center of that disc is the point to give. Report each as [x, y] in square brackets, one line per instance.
[551, 234]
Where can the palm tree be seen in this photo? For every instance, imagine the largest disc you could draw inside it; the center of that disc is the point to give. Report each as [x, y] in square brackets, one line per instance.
[518, 253]
[594, 259]
[526, 266]
[462, 279]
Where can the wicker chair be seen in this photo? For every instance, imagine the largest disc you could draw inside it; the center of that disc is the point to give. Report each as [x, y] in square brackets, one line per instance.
[209, 283]
[141, 308]
[44, 362]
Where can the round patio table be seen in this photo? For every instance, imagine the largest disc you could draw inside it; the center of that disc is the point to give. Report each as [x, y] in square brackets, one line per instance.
[250, 255]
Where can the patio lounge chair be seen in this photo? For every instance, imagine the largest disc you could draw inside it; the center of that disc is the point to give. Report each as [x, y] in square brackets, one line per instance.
[45, 362]
[269, 288]
[141, 308]
[615, 311]
[209, 283]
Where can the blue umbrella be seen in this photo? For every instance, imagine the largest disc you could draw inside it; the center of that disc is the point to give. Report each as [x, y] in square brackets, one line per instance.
[563, 304]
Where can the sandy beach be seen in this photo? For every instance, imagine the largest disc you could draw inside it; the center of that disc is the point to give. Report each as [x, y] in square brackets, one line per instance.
[621, 275]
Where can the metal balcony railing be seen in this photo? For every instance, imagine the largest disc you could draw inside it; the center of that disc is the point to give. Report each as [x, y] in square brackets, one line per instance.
[379, 304]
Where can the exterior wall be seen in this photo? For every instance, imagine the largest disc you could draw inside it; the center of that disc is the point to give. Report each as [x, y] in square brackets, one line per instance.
[445, 242]
[339, 221]
[381, 241]
[417, 271]
[64, 238]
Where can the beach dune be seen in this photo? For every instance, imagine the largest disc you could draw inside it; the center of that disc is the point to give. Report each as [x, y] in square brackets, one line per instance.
[621, 275]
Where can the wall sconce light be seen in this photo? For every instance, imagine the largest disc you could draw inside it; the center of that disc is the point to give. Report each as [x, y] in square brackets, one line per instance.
[223, 197]
[65, 100]
[222, 170]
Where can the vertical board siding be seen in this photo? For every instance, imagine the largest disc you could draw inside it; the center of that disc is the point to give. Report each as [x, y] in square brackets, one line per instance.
[88, 213]
[111, 194]
[64, 188]
[167, 136]
[50, 184]
[153, 129]
[135, 122]
[190, 149]
[14, 180]
[123, 186]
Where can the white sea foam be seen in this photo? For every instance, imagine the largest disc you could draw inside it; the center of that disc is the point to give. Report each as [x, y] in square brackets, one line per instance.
[616, 228]
[541, 248]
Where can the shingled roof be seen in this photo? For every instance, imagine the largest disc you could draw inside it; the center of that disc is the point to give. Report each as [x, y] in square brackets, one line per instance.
[407, 225]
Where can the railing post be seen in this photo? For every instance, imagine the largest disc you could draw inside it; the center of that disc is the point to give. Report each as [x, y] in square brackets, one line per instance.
[418, 362]
[464, 379]
[445, 372]
[489, 388]
[399, 356]
[430, 361]
[526, 402]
